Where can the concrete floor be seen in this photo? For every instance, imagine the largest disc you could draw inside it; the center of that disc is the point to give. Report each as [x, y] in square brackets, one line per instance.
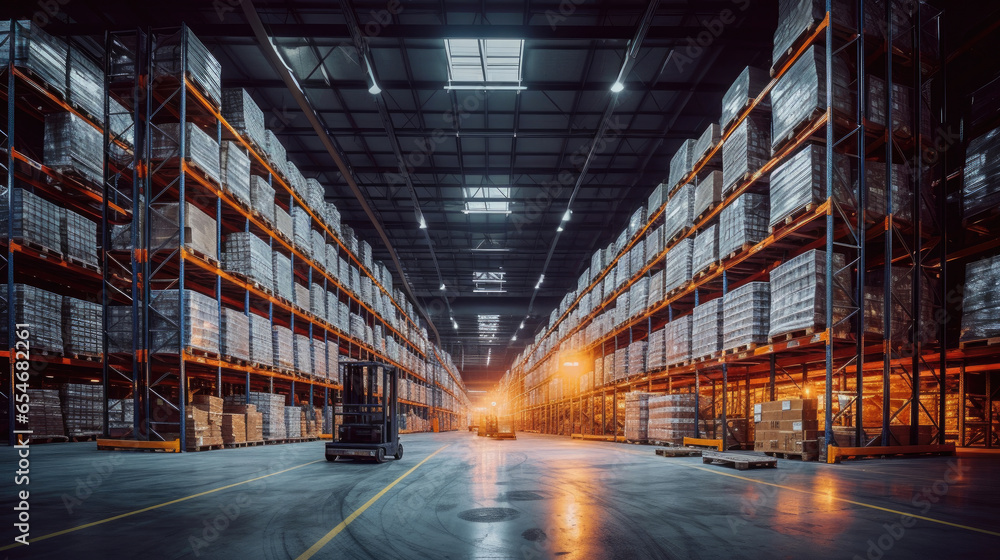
[537, 497]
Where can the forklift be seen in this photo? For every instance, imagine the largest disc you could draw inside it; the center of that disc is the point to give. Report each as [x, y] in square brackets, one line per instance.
[368, 429]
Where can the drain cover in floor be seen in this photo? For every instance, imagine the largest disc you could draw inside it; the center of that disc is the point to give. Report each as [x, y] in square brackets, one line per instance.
[489, 514]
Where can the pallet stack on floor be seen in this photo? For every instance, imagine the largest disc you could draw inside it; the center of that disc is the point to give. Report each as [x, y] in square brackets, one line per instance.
[788, 427]
[637, 416]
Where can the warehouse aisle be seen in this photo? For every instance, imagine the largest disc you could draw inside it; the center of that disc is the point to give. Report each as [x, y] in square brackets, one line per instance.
[537, 497]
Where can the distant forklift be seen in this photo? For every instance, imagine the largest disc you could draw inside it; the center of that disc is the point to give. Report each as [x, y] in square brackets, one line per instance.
[490, 426]
[368, 429]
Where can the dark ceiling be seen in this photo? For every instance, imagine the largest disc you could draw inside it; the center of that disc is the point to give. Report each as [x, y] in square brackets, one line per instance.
[523, 140]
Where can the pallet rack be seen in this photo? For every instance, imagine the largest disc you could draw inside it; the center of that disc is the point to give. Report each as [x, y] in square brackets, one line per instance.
[909, 375]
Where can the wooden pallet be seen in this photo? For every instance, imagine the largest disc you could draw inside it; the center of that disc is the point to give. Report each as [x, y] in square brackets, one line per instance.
[87, 357]
[82, 264]
[679, 452]
[740, 461]
[43, 251]
[205, 257]
[706, 212]
[798, 333]
[794, 216]
[204, 447]
[750, 347]
[799, 456]
[979, 343]
[198, 352]
[794, 133]
[234, 361]
[740, 249]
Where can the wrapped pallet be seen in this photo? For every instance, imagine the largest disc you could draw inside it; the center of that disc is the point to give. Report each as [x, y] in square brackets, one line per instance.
[705, 250]
[621, 364]
[183, 55]
[708, 194]
[333, 215]
[271, 407]
[333, 359]
[250, 256]
[79, 237]
[283, 223]
[677, 271]
[902, 191]
[636, 416]
[798, 293]
[637, 357]
[295, 179]
[293, 422]
[656, 350]
[235, 334]
[234, 168]
[275, 153]
[120, 329]
[283, 282]
[609, 369]
[284, 351]
[707, 329]
[901, 115]
[200, 149]
[797, 17]
[244, 115]
[980, 305]
[746, 316]
[800, 182]
[656, 199]
[85, 83]
[261, 344]
[37, 51]
[681, 163]
[317, 300]
[301, 294]
[679, 215]
[902, 312]
[45, 418]
[800, 94]
[981, 187]
[747, 86]
[743, 223]
[746, 150]
[121, 416]
[41, 309]
[82, 409]
[199, 228]
[318, 249]
[319, 362]
[678, 339]
[315, 196]
[262, 198]
[199, 322]
[82, 326]
[303, 354]
[653, 245]
[73, 147]
[35, 219]
[706, 142]
[672, 417]
[638, 298]
[301, 230]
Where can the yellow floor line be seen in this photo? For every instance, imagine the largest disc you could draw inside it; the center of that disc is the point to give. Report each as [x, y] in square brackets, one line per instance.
[145, 509]
[343, 524]
[845, 500]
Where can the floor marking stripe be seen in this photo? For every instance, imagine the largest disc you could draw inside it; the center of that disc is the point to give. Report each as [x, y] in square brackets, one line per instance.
[343, 524]
[145, 509]
[845, 500]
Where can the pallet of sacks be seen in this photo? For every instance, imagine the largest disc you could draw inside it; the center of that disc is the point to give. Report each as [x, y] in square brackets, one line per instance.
[788, 427]
[203, 423]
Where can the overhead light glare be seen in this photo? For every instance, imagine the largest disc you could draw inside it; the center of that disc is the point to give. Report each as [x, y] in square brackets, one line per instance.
[560, 228]
[423, 222]
[567, 215]
[374, 90]
[441, 287]
[617, 87]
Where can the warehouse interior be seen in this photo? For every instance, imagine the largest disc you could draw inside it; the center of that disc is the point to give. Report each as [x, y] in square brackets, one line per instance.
[627, 279]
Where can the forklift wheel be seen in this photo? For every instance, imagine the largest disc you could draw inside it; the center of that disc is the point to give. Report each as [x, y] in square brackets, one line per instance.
[399, 452]
[380, 455]
[331, 458]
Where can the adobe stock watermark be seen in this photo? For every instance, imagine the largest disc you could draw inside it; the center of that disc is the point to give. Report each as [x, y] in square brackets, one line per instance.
[924, 499]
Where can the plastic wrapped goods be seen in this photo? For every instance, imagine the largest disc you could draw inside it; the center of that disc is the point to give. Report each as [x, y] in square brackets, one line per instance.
[797, 17]
[981, 303]
[679, 215]
[199, 229]
[200, 322]
[262, 197]
[120, 328]
[317, 300]
[85, 84]
[315, 194]
[235, 171]
[283, 223]
[902, 106]
[235, 334]
[680, 164]
[902, 190]
[653, 245]
[200, 149]
[621, 363]
[706, 329]
[37, 51]
[79, 237]
[746, 150]
[706, 249]
[638, 296]
[45, 414]
[671, 417]
[801, 93]
[303, 354]
[747, 86]
[302, 224]
[319, 367]
[708, 193]
[282, 269]
[705, 142]
[202, 67]
[333, 359]
[82, 327]
[249, 255]
[801, 180]
[73, 147]
[637, 357]
[36, 220]
[747, 315]
[656, 288]
[656, 350]
[636, 416]
[678, 336]
[744, 222]
[333, 215]
[261, 345]
[798, 293]
[981, 188]
[301, 295]
[295, 179]
[83, 408]
[272, 410]
[275, 152]
[677, 271]
[656, 199]
[43, 311]
[243, 114]
[284, 351]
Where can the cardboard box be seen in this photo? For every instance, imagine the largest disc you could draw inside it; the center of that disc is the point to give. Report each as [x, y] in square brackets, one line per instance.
[234, 429]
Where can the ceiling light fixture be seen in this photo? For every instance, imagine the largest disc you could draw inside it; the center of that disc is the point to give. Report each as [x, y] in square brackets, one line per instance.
[423, 222]
[540, 280]
[455, 324]
[483, 87]
[567, 215]
[373, 85]
[441, 287]
[522, 325]
[513, 338]
[559, 227]
[617, 87]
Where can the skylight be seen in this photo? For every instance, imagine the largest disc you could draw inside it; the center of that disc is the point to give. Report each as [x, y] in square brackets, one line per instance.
[489, 282]
[484, 60]
[487, 200]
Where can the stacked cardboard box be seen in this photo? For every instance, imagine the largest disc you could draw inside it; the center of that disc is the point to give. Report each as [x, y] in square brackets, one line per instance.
[637, 416]
[234, 428]
[293, 421]
[235, 334]
[671, 417]
[788, 426]
[44, 416]
[79, 237]
[208, 432]
[198, 231]
[43, 311]
[252, 420]
[271, 407]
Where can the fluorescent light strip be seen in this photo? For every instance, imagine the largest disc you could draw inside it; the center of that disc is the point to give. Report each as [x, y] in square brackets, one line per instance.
[483, 87]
